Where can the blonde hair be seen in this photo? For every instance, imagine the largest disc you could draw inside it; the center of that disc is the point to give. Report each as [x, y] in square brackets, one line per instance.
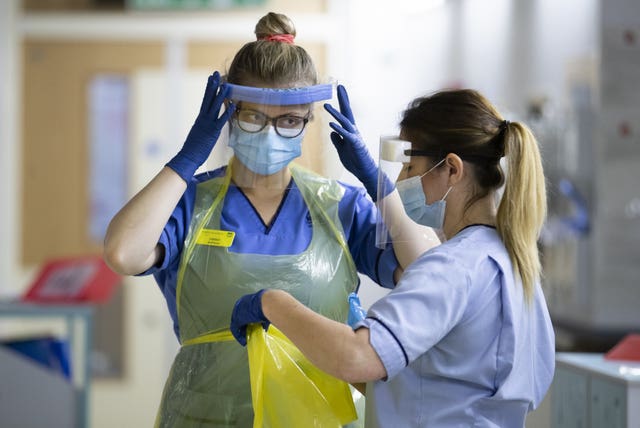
[272, 62]
[523, 206]
[465, 123]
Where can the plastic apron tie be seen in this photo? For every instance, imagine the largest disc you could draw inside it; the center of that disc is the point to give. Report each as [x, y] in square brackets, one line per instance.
[220, 336]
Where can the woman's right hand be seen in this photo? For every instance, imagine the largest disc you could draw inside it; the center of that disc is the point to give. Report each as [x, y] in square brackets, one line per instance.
[131, 243]
[205, 131]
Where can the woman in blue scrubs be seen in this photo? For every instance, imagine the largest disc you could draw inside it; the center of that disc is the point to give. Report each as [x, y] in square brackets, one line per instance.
[464, 339]
[258, 222]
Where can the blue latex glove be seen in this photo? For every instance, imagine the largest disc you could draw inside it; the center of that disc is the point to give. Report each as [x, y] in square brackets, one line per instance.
[356, 312]
[205, 130]
[352, 150]
[247, 310]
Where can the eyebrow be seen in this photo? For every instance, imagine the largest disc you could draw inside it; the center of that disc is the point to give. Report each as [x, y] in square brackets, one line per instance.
[289, 113]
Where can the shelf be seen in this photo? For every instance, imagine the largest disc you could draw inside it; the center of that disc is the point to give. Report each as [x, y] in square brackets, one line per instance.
[148, 25]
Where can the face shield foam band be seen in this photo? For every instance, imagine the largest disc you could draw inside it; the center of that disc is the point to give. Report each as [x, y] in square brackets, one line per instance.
[393, 149]
[276, 96]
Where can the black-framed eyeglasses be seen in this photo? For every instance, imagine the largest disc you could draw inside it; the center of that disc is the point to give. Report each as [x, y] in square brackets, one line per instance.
[439, 155]
[286, 125]
[410, 152]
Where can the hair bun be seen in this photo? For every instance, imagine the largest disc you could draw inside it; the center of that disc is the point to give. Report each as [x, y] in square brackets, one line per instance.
[275, 25]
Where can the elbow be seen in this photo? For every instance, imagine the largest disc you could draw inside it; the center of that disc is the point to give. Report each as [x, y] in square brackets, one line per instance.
[120, 259]
[351, 375]
[361, 364]
[115, 258]
[367, 372]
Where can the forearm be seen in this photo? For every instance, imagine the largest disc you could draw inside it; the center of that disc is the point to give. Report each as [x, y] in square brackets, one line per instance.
[409, 239]
[332, 346]
[132, 236]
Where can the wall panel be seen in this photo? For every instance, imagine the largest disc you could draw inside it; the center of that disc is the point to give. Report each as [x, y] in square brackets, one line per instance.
[55, 200]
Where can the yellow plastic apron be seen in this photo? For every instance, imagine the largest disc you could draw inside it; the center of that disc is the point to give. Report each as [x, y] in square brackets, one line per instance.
[208, 385]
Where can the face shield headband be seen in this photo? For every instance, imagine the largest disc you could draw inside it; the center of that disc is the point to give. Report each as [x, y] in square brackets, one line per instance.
[280, 96]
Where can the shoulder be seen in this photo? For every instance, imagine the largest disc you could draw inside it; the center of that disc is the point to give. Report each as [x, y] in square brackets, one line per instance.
[208, 175]
[474, 244]
[186, 203]
[474, 251]
[330, 188]
[312, 181]
[356, 203]
[352, 190]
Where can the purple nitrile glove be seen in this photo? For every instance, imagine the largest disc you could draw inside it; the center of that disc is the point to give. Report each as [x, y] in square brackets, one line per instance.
[247, 310]
[205, 130]
[351, 148]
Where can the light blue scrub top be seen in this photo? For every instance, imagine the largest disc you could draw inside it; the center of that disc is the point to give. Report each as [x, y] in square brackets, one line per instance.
[289, 233]
[460, 345]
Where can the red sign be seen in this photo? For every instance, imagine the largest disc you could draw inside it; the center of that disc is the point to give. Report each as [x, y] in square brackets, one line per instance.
[73, 280]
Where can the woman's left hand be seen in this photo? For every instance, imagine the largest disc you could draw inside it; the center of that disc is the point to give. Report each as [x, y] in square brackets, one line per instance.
[351, 148]
[247, 310]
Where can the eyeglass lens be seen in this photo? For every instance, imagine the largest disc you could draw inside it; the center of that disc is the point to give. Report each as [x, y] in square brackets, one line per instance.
[286, 125]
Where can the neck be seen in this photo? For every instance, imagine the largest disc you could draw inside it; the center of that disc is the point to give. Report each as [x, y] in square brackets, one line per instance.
[483, 211]
[265, 192]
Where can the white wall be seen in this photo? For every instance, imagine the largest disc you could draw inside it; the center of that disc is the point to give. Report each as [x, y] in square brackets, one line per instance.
[9, 150]
[509, 50]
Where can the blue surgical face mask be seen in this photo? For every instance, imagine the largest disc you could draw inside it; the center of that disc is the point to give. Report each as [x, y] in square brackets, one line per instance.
[415, 203]
[265, 152]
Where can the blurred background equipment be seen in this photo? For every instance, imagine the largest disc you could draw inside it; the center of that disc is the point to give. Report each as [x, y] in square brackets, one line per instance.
[46, 369]
[592, 160]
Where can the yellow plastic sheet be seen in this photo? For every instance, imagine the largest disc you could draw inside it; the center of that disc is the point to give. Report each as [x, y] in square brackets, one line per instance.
[287, 390]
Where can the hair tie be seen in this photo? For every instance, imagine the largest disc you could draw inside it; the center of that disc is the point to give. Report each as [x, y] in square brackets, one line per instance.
[284, 38]
[499, 139]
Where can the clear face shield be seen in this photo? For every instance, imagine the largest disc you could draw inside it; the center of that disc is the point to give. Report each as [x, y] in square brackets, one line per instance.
[394, 225]
[267, 130]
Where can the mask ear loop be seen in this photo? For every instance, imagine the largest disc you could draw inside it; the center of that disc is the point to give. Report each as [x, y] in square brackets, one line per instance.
[433, 167]
[448, 191]
[450, 188]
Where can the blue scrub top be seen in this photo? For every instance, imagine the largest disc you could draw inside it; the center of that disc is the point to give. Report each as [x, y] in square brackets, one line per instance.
[290, 232]
[460, 345]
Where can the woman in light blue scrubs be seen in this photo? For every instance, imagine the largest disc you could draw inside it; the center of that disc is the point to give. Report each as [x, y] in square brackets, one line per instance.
[258, 222]
[464, 339]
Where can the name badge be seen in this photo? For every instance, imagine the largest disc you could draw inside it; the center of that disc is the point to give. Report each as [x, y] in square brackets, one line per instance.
[215, 238]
